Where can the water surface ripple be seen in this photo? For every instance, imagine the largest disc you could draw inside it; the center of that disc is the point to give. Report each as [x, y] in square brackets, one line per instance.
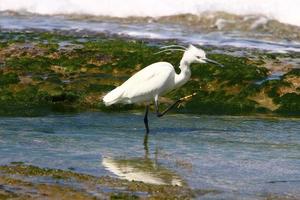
[243, 157]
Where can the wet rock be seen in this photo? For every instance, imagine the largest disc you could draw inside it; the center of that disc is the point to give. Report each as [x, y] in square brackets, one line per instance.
[30, 182]
[76, 71]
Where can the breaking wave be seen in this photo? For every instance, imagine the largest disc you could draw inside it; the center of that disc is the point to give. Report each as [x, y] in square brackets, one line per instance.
[270, 25]
[286, 11]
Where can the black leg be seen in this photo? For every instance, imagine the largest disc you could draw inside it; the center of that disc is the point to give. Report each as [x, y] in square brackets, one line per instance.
[147, 129]
[160, 114]
[146, 119]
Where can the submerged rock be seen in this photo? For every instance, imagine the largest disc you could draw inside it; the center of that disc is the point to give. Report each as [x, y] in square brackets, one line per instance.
[21, 181]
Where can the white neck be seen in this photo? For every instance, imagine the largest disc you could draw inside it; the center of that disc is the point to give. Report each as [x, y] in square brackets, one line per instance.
[184, 75]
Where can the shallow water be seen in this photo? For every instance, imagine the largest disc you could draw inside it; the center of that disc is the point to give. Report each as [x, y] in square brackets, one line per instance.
[242, 157]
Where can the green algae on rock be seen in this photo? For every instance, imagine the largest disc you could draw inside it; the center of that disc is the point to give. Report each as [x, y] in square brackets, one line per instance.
[43, 72]
[18, 181]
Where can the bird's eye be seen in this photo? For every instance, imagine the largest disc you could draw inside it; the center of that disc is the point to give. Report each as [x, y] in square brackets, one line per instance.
[198, 57]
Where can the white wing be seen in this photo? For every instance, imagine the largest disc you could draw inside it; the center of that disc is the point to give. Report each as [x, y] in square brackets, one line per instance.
[148, 82]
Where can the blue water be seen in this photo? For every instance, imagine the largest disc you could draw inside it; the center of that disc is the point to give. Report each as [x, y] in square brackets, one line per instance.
[242, 157]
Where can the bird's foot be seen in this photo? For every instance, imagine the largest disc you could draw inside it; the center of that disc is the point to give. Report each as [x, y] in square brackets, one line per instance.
[185, 98]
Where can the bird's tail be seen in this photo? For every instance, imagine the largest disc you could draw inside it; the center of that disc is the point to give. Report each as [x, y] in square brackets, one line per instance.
[113, 96]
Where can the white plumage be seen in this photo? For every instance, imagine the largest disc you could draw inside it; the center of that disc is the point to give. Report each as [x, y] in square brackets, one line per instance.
[155, 80]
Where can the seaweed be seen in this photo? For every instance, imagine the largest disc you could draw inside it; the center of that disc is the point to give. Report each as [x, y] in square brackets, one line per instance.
[72, 79]
[9, 78]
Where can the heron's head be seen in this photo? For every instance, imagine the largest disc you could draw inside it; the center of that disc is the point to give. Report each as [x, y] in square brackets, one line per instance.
[191, 54]
[196, 55]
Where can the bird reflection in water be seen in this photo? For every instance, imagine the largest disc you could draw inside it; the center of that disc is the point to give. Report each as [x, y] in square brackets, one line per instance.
[142, 169]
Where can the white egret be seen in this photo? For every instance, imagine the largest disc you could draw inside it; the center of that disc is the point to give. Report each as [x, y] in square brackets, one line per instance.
[157, 79]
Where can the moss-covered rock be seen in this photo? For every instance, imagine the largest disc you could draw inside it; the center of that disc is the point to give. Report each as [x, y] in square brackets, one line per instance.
[65, 71]
[289, 104]
[8, 78]
[18, 180]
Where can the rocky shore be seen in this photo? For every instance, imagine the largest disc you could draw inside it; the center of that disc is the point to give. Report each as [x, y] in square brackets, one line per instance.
[46, 72]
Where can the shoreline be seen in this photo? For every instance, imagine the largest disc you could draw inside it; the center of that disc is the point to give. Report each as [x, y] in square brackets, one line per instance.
[24, 181]
[18, 180]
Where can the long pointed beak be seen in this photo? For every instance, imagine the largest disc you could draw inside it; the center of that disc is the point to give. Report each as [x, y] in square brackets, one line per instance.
[213, 62]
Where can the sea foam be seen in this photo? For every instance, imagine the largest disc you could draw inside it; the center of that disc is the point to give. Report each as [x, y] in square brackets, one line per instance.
[285, 11]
